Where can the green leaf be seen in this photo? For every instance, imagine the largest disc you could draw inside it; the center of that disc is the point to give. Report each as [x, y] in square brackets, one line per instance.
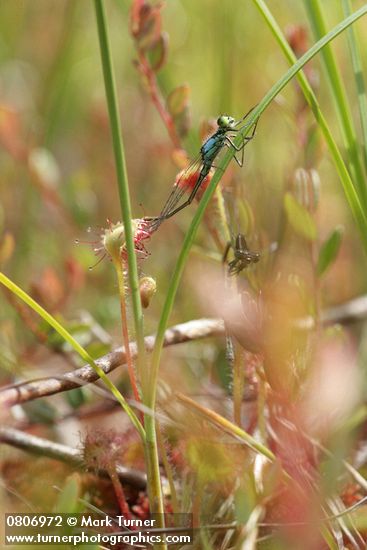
[40, 412]
[68, 499]
[246, 216]
[182, 122]
[352, 196]
[158, 53]
[299, 218]
[76, 397]
[329, 250]
[178, 99]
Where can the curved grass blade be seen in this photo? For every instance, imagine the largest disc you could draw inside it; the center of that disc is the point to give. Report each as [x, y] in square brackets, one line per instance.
[345, 179]
[4, 280]
[190, 235]
[315, 15]
[358, 76]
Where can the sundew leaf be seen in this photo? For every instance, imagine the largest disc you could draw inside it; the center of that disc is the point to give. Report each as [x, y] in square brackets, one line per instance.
[182, 122]
[299, 218]
[158, 53]
[178, 99]
[329, 250]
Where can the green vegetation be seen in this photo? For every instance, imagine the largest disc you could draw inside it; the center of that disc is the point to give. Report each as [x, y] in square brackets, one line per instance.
[254, 430]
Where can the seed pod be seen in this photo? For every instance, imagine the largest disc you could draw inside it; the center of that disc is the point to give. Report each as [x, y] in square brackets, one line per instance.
[147, 287]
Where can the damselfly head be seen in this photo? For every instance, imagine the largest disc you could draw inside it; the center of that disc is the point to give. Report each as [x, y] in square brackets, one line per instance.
[226, 121]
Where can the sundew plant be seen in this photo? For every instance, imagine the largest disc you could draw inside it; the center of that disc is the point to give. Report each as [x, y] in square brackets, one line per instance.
[183, 239]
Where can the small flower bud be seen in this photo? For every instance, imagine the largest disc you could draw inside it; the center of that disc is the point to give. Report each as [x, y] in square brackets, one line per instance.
[148, 288]
[114, 239]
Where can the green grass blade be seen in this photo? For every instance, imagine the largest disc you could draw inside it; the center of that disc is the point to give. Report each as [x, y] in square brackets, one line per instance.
[358, 76]
[122, 179]
[339, 95]
[151, 451]
[349, 190]
[353, 198]
[4, 280]
[228, 426]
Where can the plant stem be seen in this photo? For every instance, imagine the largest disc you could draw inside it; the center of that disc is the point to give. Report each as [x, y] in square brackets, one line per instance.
[349, 189]
[125, 332]
[358, 75]
[119, 492]
[315, 15]
[228, 426]
[153, 474]
[151, 451]
[314, 10]
[168, 469]
[238, 383]
[122, 180]
[157, 99]
[76, 346]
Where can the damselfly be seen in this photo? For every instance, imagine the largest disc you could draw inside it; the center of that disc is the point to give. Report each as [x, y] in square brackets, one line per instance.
[200, 167]
[243, 257]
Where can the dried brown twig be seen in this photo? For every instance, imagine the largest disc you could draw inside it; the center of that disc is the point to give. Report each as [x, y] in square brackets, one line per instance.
[69, 455]
[350, 312]
[27, 391]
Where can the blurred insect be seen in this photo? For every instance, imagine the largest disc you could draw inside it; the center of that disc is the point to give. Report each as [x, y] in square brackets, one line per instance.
[199, 169]
[243, 257]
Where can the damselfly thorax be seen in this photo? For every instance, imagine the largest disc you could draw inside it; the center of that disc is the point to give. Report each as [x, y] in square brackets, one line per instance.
[227, 129]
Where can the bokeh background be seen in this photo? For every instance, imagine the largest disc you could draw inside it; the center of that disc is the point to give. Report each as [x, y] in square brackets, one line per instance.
[58, 184]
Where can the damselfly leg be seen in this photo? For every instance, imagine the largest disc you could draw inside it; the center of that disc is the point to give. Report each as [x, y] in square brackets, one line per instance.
[227, 129]
[230, 144]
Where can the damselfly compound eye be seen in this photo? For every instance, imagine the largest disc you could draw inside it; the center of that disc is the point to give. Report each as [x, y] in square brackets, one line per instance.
[222, 121]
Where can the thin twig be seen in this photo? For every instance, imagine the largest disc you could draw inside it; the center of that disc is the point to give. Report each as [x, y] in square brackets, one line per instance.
[350, 312]
[28, 391]
[69, 455]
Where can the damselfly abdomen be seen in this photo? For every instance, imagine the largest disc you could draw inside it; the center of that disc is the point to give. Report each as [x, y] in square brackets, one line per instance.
[200, 167]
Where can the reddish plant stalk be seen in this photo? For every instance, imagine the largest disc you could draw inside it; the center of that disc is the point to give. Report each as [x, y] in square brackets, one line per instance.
[119, 492]
[125, 332]
[158, 100]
